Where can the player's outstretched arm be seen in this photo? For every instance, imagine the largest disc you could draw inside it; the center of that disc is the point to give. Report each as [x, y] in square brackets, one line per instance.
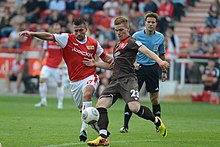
[108, 59]
[93, 62]
[152, 55]
[40, 35]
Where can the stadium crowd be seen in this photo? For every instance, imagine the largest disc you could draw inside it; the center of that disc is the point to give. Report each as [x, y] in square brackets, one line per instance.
[38, 15]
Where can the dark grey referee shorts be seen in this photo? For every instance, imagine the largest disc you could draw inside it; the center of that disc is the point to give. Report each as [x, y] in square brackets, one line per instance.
[149, 75]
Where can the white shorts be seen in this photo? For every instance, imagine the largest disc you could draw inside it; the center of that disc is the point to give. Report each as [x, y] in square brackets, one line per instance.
[48, 72]
[77, 88]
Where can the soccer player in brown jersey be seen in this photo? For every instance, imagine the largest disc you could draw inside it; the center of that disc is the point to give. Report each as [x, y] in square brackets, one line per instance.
[147, 70]
[124, 82]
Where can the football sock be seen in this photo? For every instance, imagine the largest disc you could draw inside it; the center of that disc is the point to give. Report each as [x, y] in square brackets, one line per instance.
[103, 133]
[156, 110]
[127, 116]
[60, 93]
[95, 127]
[157, 122]
[145, 113]
[103, 122]
[85, 105]
[43, 92]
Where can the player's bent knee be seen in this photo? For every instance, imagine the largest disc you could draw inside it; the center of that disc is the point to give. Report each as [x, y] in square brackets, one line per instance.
[59, 84]
[87, 96]
[104, 103]
[134, 106]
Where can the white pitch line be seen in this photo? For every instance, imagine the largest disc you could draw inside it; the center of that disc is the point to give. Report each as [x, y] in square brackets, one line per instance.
[125, 141]
[80, 143]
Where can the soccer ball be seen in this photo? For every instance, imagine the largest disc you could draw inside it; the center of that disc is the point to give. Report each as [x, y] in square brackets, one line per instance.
[90, 115]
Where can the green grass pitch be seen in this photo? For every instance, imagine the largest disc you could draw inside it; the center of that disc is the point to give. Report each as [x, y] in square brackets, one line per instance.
[22, 125]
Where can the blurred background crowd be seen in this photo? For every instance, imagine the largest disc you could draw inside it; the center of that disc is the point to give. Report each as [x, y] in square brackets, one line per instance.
[183, 37]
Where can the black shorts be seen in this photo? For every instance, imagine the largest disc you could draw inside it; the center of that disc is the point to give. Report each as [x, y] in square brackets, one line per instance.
[149, 75]
[125, 88]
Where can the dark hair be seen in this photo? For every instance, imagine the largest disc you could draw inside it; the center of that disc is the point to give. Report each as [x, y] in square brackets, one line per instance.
[56, 24]
[79, 21]
[151, 14]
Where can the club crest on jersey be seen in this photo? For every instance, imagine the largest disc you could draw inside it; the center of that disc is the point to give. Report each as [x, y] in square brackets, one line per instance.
[90, 47]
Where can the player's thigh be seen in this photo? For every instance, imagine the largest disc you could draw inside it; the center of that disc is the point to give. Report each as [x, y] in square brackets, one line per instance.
[45, 72]
[112, 92]
[77, 88]
[91, 81]
[129, 89]
[76, 91]
[57, 74]
[90, 84]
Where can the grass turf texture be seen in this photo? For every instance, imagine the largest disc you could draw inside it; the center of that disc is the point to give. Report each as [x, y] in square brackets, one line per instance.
[22, 125]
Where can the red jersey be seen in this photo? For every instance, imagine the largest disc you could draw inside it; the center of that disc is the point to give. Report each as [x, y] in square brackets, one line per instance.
[54, 56]
[75, 51]
[166, 9]
[17, 66]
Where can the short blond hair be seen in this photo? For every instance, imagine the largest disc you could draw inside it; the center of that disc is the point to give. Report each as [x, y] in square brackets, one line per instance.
[120, 20]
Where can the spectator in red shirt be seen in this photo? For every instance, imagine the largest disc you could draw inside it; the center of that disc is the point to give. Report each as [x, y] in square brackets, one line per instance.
[165, 11]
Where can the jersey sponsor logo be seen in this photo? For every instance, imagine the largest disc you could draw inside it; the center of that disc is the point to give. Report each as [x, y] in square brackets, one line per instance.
[90, 47]
[86, 54]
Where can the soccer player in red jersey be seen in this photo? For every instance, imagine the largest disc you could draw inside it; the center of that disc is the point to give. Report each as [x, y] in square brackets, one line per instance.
[52, 68]
[76, 47]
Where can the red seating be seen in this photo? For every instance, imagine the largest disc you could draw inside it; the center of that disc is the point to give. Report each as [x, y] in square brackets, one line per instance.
[98, 16]
[201, 30]
[76, 13]
[184, 45]
[33, 27]
[4, 40]
[206, 96]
